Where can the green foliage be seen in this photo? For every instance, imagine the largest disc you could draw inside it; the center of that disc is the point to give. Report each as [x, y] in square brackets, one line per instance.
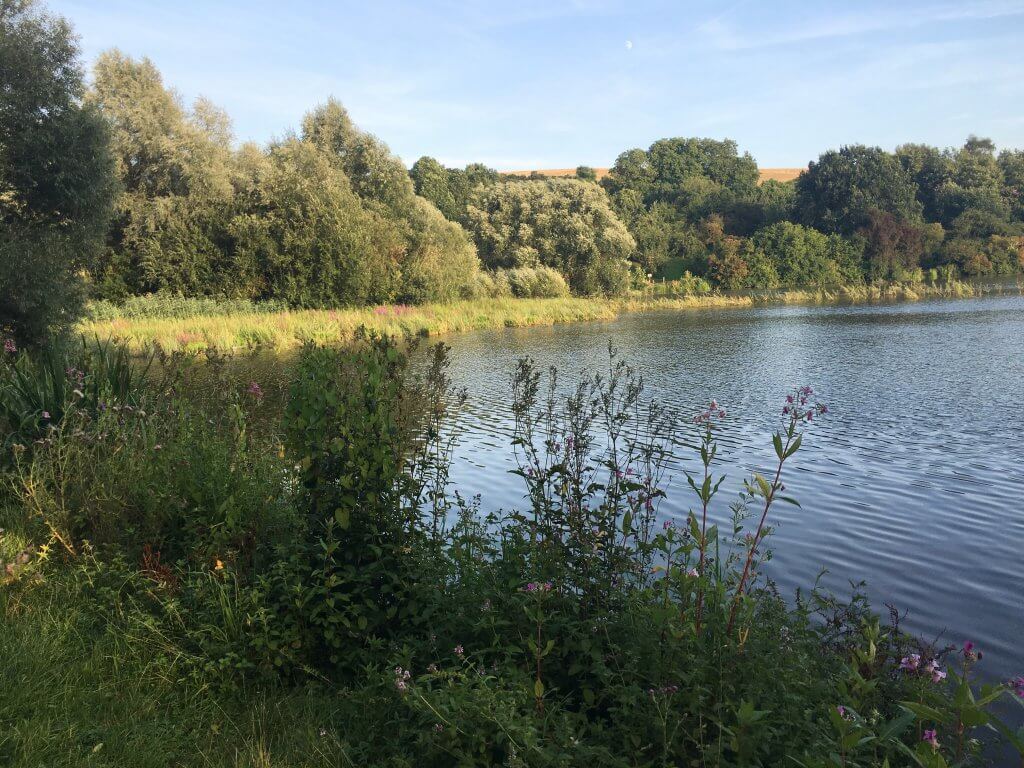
[341, 573]
[565, 224]
[167, 305]
[519, 282]
[309, 240]
[801, 256]
[838, 192]
[38, 389]
[56, 175]
[175, 168]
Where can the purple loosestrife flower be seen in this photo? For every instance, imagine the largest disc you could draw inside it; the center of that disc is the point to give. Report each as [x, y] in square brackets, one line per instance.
[931, 737]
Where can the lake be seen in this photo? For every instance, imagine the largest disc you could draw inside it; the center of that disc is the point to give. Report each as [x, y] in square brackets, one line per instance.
[912, 482]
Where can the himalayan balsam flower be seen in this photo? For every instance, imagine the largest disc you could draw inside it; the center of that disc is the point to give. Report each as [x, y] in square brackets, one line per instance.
[931, 737]
[844, 712]
[932, 668]
[10, 347]
[910, 663]
[460, 651]
[970, 652]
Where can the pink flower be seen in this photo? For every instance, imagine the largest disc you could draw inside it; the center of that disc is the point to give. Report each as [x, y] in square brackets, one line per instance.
[10, 347]
[932, 668]
[255, 390]
[844, 712]
[910, 663]
[693, 573]
[460, 651]
[1017, 685]
[46, 415]
[930, 737]
[402, 677]
[969, 651]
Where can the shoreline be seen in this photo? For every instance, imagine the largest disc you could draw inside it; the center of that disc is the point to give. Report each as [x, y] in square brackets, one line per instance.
[289, 329]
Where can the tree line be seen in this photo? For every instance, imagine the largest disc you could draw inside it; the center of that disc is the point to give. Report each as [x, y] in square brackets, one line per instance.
[117, 188]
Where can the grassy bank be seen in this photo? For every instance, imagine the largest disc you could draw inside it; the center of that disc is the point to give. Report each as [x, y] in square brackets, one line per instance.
[241, 326]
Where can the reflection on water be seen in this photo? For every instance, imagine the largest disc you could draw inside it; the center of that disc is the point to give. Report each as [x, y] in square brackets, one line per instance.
[912, 483]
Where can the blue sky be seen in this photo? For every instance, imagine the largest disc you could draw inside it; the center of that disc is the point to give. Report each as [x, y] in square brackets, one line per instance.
[559, 83]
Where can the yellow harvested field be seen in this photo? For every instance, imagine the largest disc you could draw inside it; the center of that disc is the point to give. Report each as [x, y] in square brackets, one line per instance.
[773, 174]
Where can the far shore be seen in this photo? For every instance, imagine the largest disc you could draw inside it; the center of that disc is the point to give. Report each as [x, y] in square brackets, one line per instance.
[289, 329]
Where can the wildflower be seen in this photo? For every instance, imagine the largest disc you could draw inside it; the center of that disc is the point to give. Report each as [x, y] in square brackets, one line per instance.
[255, 390]
[932, 668]
[460, 651]
[969, 651]
[910, 663]
[402, 677]
[844, 712]
[46, 415]
[1017, 685]
[693, 573]
[218, 566]
[10, 347]
[322, 732]
[432, 669]
[931, 738]
[438, 727]
[667, 524]
[531, 587]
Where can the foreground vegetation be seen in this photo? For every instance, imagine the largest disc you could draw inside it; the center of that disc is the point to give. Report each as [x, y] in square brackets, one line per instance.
[173, 324]
[195, 575]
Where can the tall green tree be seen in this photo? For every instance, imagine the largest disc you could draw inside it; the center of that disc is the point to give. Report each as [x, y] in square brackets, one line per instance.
[439, 259]
[565, 224]
[838, 192]
[175, 167]
[57, 184]
[304, 236]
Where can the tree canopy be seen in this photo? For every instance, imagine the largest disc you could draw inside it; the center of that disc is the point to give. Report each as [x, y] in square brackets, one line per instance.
[56, 174]
[561, 223]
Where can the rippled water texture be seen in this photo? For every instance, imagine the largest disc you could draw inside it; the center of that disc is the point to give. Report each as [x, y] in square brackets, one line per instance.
[912, 483]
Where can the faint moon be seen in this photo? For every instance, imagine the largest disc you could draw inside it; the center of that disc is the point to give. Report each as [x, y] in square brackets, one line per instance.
[629, 45]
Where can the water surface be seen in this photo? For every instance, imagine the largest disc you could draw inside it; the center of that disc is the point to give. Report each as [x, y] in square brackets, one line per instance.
[913, 483]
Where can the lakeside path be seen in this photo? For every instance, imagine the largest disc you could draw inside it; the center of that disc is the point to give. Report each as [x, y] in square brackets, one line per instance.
[289, 329]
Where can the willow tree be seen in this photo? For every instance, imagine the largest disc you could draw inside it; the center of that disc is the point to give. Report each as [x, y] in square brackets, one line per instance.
[175, 167]
[565, 224]
[439, 260]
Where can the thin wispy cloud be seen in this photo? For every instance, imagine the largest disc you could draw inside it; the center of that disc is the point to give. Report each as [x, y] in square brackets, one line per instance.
[554, 82]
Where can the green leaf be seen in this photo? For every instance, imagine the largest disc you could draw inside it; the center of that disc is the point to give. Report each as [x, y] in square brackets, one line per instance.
[342, 517]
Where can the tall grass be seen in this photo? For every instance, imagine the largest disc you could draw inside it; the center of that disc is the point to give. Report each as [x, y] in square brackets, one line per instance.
[200, 324]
